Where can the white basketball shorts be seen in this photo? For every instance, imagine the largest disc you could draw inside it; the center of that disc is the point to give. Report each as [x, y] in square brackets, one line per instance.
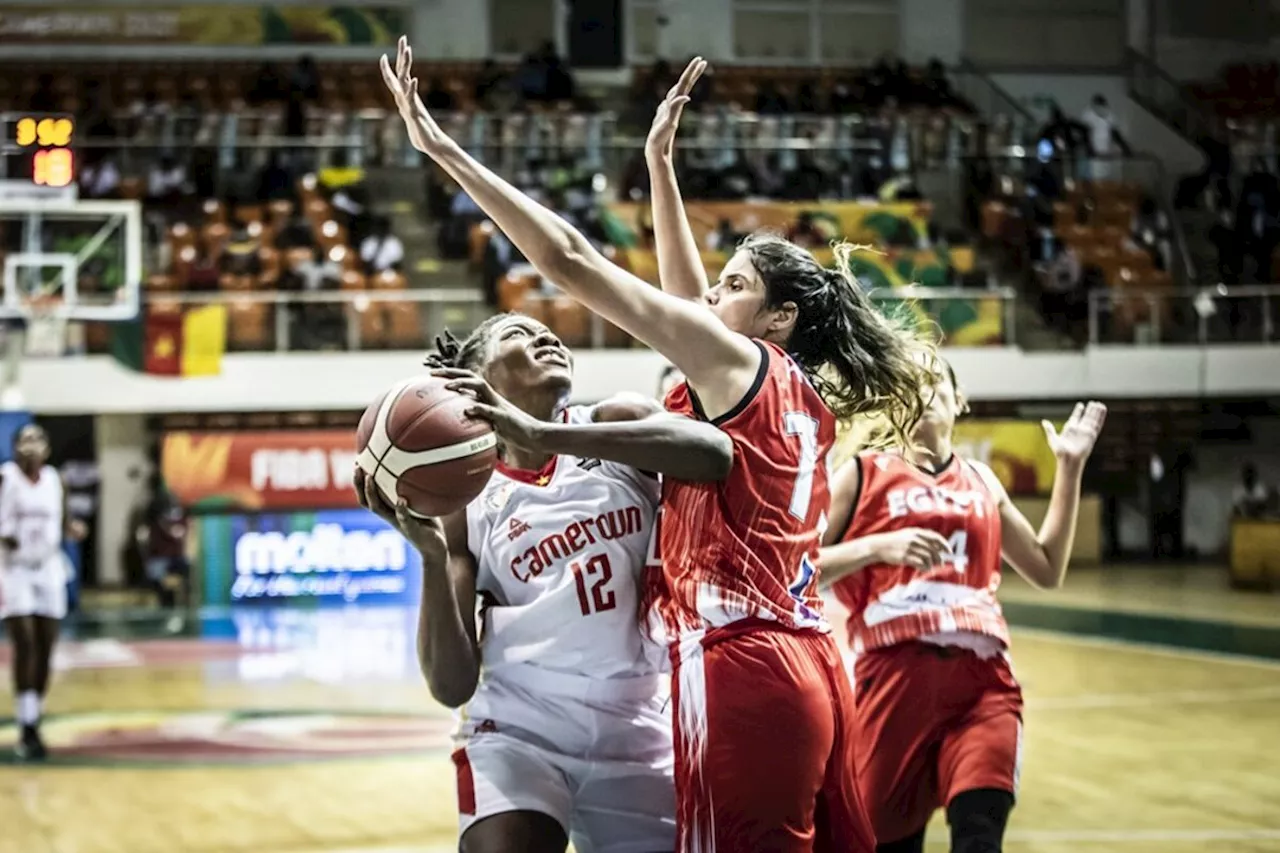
[594, 754]
[34, 590]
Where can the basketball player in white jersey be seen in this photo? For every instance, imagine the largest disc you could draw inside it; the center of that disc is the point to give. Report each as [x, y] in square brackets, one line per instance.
[564, 734]
[33, 574]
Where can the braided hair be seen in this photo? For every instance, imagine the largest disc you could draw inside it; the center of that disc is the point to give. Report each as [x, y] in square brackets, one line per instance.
[861, 362]
[467, 354]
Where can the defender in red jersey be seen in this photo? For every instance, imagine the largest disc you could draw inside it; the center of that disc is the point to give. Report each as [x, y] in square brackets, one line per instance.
[920, 535]
[761, 704]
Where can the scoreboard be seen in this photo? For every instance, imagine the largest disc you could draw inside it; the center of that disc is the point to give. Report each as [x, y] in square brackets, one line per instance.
[38, 148]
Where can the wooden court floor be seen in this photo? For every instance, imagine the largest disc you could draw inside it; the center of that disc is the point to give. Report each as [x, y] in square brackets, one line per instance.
[302, 732]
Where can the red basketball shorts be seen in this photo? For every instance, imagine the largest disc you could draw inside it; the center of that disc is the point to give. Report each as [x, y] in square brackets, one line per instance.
[933, 722]
[764, 728]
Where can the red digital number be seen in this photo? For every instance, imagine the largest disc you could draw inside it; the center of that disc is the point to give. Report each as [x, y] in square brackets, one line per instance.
[598, 599]
[53, 167]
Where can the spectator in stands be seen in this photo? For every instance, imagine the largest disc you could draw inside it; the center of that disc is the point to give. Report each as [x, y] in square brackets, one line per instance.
[97, 120]
[167, 182]
[275, 181]
[438, 98]
[1062, 298]
[770, 100]
[724, 238]
[1258, 218]
[1151, 231]
[1104, 136]
[43, 99]
[316, 325]
[936, 87]
[267, 87]
[1226, 240]
[1069, 137]
[240, 255]
[452, 238]
[381, 250]
[804, 233]
[100, 176]
[303, 88]
[297, 234]
[165, 548]
[1250, 497]
[489, 86]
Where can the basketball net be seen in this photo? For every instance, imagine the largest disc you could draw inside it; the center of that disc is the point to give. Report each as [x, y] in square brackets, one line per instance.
[42, 333]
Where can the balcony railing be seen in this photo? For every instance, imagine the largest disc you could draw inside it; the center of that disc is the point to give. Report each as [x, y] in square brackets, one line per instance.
[409, 319]
[1216, 315]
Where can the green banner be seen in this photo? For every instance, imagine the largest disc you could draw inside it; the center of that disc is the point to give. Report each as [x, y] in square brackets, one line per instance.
[226, 25]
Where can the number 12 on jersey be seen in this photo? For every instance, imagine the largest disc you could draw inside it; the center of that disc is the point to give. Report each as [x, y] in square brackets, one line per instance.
[597, 598]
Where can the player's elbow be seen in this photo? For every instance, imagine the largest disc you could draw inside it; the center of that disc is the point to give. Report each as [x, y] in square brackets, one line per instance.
[717, 455]
[451, 692]
[569, 261]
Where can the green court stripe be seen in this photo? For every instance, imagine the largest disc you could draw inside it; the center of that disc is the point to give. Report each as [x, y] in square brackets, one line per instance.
[1174, 631]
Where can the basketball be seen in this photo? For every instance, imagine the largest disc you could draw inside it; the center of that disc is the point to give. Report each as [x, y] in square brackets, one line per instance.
[417, 444]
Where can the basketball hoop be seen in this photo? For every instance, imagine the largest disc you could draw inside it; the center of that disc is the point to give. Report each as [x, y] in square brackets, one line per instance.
[46, 333]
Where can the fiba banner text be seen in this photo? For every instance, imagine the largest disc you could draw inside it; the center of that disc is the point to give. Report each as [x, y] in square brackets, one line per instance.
[222, 25]
[239, 471]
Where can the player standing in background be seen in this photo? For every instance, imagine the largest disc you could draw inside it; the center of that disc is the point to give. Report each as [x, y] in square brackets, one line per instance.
[920, 535]
[762, 704]
[33, 574]
[565, 734]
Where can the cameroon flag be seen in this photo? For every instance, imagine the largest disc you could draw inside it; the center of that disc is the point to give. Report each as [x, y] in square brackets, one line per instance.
[173, 342]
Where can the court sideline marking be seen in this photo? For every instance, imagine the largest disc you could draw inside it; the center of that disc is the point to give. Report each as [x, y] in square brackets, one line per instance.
[1140, 646]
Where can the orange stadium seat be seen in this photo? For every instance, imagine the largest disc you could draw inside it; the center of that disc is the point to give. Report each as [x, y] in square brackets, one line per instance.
[569, 321]
[249, 325]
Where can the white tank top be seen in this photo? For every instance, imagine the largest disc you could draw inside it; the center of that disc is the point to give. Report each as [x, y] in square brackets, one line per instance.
[559, 554]
[31, 513]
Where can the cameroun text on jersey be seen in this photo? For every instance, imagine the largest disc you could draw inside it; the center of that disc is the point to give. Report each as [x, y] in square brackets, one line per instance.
[925, 500]
[607, 526]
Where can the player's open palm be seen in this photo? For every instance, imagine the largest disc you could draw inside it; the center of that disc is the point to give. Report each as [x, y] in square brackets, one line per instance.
[914, 547]
[424, 132]
[425, 534]
[1079, 434]
[516, 427]
[666, 121]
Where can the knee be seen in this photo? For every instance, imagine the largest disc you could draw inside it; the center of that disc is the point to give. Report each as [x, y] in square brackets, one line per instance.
[978, 819]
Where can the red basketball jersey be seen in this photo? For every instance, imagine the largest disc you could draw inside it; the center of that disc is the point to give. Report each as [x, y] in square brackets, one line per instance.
[892, 604]
[745, 547]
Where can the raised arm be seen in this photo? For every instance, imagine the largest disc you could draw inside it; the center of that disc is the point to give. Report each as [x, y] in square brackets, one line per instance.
[625, 430]
[1042, 556]
[680, 269]
[448, 646]
[704, 349]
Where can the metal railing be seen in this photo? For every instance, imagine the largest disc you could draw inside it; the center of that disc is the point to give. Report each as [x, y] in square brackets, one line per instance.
[355, 321]
[1247, 314]
[1157, 90]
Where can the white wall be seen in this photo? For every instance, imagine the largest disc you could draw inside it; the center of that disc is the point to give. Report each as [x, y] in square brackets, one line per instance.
[931, 28]
[697, 27]
[301, 382]
[121, 450]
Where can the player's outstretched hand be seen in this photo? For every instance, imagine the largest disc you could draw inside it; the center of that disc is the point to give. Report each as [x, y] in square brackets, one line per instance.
[424, 132]
[666, 121]
[425, 534]
[514, 426]
[1073, 445]
[914, 547]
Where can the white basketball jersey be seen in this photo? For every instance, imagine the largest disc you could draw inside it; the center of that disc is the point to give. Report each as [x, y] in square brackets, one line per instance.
[31, 514]
[559, 555]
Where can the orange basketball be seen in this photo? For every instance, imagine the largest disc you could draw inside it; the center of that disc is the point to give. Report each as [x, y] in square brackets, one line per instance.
[417, 444]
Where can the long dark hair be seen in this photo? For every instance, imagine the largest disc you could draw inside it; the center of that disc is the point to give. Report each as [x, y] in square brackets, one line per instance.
[861, 362]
